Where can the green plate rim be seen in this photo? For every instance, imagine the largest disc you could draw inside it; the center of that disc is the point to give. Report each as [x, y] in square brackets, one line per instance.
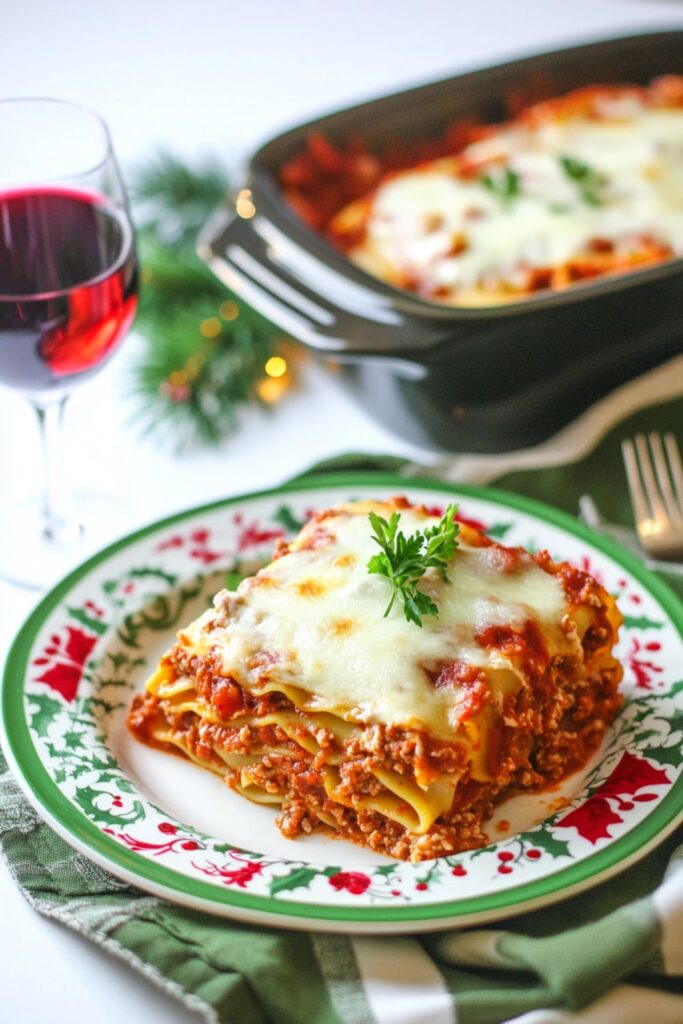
[18, 744]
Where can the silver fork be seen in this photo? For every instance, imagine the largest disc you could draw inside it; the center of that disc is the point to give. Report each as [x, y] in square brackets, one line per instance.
[655, 482]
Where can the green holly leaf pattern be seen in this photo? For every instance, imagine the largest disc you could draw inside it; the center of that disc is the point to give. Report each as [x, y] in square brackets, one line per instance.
[675, 689]
[675, 721]
[103, 778]
[86, 796]
[153, 573]
[162, 612]
[385, 869]
[73, 739]
[498, 530]
[646, 734]
[42, 710]
[664, 755]
[286, 518]
[641, 622]
[225, 847]
[105, 762]
[298, 878]
[89, 621]
[432, 875]
[118, 659]
[95, 707]
[642, 713]
[545, 840]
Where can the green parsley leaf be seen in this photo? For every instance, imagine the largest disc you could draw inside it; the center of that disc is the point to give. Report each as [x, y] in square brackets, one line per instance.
[589, 182]
[504, 185]
[405, 560]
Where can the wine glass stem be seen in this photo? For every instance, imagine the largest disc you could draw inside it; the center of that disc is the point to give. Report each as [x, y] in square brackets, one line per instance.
[59, 523]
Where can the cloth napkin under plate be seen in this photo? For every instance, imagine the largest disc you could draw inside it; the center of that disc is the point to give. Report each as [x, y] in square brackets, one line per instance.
[613, 955]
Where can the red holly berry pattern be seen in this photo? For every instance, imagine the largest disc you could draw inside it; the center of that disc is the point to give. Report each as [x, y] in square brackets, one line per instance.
[354, 882]
[197, 544]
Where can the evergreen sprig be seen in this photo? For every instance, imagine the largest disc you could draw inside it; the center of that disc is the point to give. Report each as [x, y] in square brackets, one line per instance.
[203, 349]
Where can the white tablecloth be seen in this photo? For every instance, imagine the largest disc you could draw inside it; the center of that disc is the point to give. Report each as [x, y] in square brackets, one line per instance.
[219, 76]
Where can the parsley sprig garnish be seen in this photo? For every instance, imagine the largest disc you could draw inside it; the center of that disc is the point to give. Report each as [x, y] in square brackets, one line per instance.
[405, 560]
[589, 182]
[504, 185]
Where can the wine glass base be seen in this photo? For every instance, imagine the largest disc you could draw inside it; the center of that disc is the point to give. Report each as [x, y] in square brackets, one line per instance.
[29, 558]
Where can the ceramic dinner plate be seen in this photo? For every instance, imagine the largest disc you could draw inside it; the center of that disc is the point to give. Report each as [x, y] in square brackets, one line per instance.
[175, 830]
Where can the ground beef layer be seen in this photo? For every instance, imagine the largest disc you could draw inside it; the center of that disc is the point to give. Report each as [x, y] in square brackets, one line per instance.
[545, 732]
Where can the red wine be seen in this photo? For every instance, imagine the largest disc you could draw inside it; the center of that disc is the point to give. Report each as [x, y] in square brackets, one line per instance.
[68, 285]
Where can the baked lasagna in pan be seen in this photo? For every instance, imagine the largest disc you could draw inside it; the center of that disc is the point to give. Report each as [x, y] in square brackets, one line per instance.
[303, 690]
[583, 185]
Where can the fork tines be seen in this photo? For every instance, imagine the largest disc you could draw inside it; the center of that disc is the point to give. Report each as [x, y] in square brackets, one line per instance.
[655, 479]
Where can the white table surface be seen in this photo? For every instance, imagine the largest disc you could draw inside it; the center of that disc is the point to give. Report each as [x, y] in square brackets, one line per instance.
[219, 76]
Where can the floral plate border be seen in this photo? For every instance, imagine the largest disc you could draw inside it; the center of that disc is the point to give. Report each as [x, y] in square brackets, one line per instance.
[97, 816]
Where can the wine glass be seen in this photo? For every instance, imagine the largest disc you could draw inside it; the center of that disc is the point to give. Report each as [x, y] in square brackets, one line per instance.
[68, 293]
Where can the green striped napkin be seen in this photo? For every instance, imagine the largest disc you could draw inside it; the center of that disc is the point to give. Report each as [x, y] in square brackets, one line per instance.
[614, 954]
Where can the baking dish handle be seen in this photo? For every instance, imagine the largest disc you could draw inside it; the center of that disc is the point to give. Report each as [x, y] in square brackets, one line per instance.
[322, 307]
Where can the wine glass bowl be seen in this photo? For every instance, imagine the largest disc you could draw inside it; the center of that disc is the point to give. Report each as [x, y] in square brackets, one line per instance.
[68, 293]
[64, 309]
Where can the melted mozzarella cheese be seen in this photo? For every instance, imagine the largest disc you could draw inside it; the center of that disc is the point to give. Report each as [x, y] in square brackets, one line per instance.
[451, 234]
[319, 613]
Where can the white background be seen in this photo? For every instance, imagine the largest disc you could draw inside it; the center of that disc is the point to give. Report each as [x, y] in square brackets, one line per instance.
[220, 76]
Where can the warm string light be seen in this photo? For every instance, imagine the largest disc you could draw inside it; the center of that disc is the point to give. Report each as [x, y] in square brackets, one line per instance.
[228, 310]
[276, 366]
[271, 388]
[210, 328]
[177, 387]
[244, 204]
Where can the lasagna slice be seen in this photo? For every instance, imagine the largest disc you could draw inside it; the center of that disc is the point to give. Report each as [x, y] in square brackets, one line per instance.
[300, 693]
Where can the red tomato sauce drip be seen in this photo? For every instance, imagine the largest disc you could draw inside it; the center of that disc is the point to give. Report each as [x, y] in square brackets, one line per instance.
[399, 501]
[524, 647]
[577, 584]
[472, 683]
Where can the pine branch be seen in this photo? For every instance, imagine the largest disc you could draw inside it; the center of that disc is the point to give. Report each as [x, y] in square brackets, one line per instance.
[169, 194]
[205, 350]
